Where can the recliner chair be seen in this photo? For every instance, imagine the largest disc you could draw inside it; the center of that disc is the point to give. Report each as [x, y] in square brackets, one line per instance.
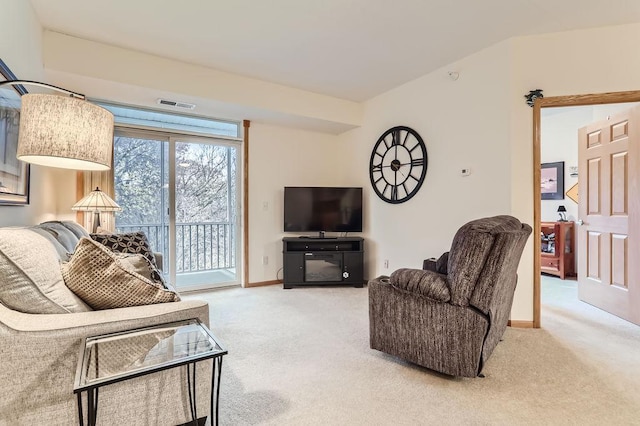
[451, 316]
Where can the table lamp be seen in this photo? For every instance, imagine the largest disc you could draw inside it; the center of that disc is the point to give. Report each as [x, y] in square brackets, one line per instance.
[563, 214]
[96, 202]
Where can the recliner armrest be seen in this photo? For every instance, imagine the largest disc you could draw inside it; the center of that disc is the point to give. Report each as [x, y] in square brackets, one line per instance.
[428, 284]
[429, 264]
[439, 266]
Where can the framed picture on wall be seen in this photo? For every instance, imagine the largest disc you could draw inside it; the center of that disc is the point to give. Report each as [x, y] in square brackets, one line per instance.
[14, 174]
[552, 181]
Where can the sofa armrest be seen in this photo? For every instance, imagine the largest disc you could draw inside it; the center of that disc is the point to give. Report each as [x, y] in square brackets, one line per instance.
[428, 284]
[44, 349]
[146, 315]
[158, 257]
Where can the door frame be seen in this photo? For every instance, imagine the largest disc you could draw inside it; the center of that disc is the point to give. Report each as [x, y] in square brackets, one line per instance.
[552, 102]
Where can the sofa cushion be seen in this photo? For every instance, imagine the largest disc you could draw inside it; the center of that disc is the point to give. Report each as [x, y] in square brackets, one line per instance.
[30, 277]
[104, 281]
[132, 242]
[77, 229]
[64, 235]
[52, 237]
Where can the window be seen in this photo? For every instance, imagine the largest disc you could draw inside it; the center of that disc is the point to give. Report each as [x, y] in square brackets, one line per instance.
[181, 189]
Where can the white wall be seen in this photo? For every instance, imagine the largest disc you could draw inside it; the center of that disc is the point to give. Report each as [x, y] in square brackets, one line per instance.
[280, 157]
[21, 50]
[463, 125]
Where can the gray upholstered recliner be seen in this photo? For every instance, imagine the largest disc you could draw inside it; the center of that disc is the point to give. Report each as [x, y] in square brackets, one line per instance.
[450, 318]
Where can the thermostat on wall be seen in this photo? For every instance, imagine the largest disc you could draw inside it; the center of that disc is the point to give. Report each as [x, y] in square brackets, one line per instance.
[465, 172]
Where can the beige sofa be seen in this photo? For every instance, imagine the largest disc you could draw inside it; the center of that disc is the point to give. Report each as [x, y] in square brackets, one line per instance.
[39, 352]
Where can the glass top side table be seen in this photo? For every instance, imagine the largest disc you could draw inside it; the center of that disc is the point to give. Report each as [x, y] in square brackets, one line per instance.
[114, 357]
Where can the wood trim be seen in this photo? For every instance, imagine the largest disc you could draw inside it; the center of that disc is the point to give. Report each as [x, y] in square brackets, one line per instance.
[263, 283]
[245, 203]
[558, 101]
[590, 99]
[79, 195]
[521, 324]
[536, 213]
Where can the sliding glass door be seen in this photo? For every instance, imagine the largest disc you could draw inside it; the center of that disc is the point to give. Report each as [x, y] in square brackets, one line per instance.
[183, 193]
[206, 213]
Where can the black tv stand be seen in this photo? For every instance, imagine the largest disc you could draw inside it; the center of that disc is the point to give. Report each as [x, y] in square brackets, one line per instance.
[323, 261]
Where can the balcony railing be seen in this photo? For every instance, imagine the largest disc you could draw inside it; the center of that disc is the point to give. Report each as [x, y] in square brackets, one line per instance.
[202, 246]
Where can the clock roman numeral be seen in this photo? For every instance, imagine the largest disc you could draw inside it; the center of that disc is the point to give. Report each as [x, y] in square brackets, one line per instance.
[412, 149]
[418, 162]
[377, 168]
[405, 138]
[394, 193]
[386, 144]
[395, 138]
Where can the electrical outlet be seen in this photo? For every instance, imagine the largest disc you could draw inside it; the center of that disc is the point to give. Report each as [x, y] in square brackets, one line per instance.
[386, 264]
[265, 260]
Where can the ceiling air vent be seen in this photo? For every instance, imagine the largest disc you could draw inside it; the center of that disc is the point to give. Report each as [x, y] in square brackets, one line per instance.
[176, 104]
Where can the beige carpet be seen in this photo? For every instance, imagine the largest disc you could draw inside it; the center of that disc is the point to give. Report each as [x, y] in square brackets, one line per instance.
[302, 357]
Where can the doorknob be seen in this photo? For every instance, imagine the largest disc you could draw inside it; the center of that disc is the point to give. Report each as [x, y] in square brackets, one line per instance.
[580, 222]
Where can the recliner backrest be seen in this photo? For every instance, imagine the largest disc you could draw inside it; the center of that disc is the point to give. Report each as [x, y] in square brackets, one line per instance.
[475, 244]
[496, 283]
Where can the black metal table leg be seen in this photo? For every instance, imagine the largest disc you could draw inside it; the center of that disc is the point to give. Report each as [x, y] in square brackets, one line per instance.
[92, 397]
[191, 386]
[216, 371]
[80, 413]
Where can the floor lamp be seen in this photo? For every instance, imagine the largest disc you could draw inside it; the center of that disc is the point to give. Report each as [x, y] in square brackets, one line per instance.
[61, 131]
[96, 201]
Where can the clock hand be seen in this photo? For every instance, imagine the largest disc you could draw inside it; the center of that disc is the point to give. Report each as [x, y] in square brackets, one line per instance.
[418, 162]
[395, 178]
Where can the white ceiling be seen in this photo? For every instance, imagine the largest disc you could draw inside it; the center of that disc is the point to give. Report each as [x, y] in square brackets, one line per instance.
[350, 49]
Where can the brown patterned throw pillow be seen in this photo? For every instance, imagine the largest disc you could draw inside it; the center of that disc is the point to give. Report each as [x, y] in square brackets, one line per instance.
[132, 242]
[104, 281]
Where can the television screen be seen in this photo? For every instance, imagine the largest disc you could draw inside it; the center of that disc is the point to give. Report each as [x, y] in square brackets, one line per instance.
[329, 209]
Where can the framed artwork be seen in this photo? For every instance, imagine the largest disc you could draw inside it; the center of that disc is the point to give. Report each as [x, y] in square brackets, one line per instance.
[552, 181]
[14, 174]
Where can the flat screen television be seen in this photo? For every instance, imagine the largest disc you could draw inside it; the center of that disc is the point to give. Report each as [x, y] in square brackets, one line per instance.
[322, 209]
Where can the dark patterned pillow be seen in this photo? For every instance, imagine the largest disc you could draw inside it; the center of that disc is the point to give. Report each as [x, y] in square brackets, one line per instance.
[132, 242]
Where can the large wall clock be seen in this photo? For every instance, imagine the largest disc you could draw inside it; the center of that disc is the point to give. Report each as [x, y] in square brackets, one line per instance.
[398, 164]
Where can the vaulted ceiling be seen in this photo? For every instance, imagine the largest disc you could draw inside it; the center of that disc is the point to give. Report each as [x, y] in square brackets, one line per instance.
[350, 49]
